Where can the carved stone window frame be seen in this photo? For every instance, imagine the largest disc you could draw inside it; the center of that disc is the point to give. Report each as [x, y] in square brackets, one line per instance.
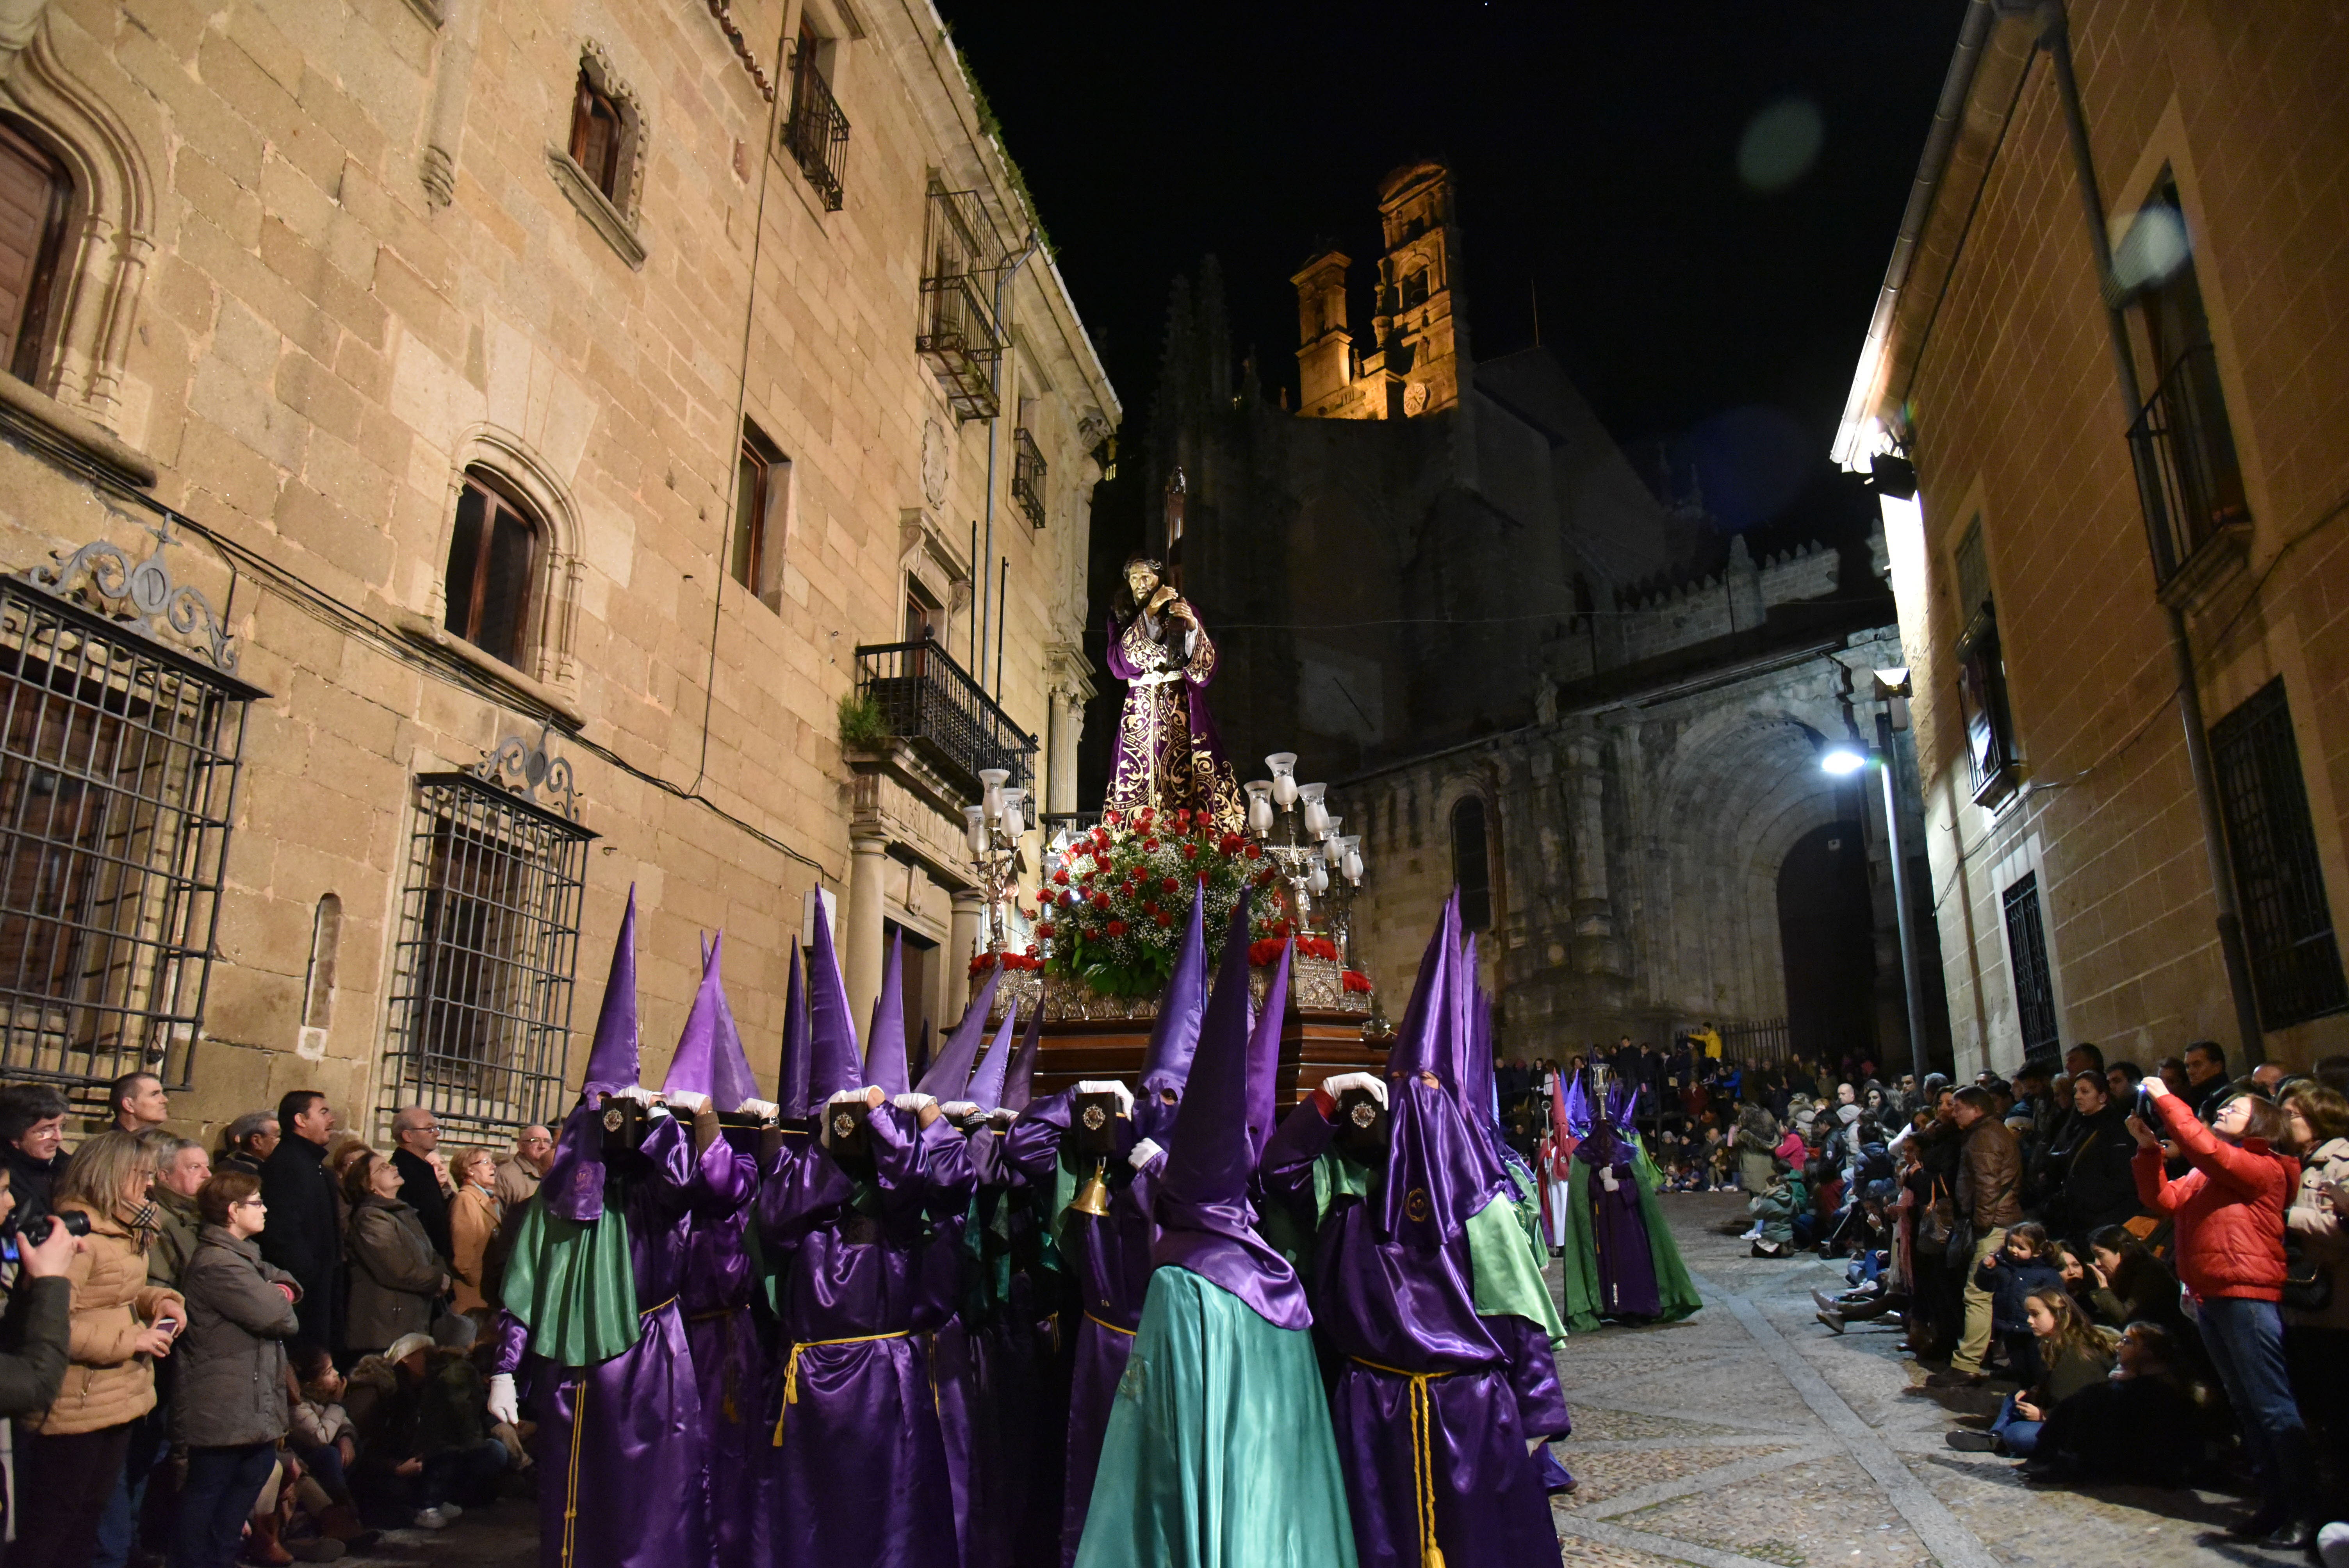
[613, 217]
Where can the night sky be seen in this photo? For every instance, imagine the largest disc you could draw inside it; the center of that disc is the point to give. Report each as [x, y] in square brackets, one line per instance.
[1642, 170]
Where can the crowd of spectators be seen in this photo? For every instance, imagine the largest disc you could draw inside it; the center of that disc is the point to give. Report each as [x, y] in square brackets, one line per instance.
[267, 1350]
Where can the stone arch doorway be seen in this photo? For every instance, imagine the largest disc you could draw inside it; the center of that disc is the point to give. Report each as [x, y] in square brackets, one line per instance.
[1826, 930]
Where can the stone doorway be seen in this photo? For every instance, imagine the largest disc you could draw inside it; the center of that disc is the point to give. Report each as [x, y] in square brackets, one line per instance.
[1826, 930]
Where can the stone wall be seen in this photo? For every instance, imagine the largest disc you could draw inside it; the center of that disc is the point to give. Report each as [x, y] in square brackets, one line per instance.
[330, 262]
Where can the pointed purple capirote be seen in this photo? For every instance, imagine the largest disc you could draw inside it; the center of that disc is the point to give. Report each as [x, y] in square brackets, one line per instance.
[884, 1041]
[792, 1065]
[710, 1060]
[986, 1090]
[1201, 1202]
[1264, 1060]
[1419, 1047]
[1019, 1087]
[834, 1061]
[1175, 1036]
[574, 1185]
[946, 1075]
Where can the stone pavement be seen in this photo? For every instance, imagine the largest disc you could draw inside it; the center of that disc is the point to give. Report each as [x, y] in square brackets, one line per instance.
[1751, 1435]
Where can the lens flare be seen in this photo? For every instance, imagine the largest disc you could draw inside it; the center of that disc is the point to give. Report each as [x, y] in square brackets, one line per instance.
[1780, 145]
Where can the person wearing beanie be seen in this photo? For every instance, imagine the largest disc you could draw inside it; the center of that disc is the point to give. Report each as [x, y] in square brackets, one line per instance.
[851, 1223]
[1422, 1286]
[1219, 1452]
[1107, 1257]
[591, 1318]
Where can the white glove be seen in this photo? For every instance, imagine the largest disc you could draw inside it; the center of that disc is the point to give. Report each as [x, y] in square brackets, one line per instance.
[764, 1109]
[2152, 1086]
[1109, 1086]
[1142, 1154]
[1606, 1177]
[636, 1092]
[1002, 1116]
[958, 1109]
[1335, 1087]
[691, 1101]
[503, 1405]
[914, 1103]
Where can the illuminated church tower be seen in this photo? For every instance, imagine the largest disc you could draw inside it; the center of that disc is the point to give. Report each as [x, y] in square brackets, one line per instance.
[1412, 367]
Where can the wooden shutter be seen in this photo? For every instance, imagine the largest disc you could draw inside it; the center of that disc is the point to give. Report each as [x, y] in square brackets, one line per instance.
[33, 195]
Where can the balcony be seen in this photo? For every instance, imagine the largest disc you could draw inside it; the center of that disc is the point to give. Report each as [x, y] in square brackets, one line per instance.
[2189, 479]
[930, 704]
[960, 337]
[816, 132]
[1027, 476]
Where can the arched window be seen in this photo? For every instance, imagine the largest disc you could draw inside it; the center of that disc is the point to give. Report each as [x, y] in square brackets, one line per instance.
[596, 126]
[1472, 864]
[493, 555]
[35, 193]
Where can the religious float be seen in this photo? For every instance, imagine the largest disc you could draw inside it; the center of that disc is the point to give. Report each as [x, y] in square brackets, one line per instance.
[1114, 893]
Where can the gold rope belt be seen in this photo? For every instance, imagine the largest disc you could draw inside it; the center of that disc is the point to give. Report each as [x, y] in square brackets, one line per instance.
[578, 1412]
[791, 1369]
[1422, 1460]
[1113, 1328]
[648, 1312]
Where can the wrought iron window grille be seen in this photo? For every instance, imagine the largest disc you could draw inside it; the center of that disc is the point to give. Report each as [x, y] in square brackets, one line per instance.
[488, 947]
[927, 701]
[2034, 985]
[2190, 480]
[123, 735]
[2271, 841]
[815, 131]
[959, 337]
[1028, 471]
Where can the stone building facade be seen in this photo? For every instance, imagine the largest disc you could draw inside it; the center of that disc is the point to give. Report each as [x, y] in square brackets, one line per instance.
[1600, 711]
[553, 403]
[2130, 444]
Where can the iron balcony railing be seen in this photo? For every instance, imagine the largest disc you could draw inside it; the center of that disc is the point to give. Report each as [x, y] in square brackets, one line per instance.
[816, 132]
[1027, 476]
[928, 701]
[959, 334]
[2187, 475]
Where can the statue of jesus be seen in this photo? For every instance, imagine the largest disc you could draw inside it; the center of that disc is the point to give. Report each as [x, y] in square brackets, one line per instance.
[1168, 754]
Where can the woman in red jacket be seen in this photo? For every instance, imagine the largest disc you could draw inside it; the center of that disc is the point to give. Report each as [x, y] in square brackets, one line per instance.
[2228, 1215]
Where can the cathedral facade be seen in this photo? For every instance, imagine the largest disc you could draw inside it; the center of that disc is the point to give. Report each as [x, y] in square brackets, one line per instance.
[1530, 669]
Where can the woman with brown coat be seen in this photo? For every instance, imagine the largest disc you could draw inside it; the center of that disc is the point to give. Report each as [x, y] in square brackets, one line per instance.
[396, 1279]
[70, 1456]
[474, 1215]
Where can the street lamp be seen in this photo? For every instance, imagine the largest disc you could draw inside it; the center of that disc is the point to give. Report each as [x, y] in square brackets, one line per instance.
[1844, 759]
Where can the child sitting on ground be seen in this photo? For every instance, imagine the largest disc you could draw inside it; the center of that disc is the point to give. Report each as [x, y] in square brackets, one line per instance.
[2072, 1357]
[2141, 1424]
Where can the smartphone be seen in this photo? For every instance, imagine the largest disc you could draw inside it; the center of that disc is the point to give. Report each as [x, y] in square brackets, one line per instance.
[170, 1325]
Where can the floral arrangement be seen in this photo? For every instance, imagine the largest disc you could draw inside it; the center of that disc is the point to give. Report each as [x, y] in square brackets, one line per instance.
[1114, 909]
[1266, 950]
[982, 962]
[1356, 980]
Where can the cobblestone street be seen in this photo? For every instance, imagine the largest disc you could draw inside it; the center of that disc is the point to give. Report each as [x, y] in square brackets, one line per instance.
[1751, 1435]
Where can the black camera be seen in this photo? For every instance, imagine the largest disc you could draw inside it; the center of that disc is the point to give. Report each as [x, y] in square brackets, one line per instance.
[1092, 1125]
[624, 1125]
[1361, 1125]
[35, 1231]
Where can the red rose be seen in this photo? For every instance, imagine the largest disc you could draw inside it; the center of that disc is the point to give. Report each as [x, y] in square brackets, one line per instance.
[1101, 901]
[1044, 928]
[1117, 928]
[1149, 846]
[1229, 845]
[1162, 917]
[1061, 876]
[1170, 883]
[1109, 820]
[1149, 906]
[1254, 851]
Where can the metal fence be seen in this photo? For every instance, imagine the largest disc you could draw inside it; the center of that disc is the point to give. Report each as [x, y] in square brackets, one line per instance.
[2188, 477]
[117, 772]
[488, 946]
[960, 337]
[1028, 471]
[1767, 1044]
[926, 699]
[816, 132]
[2272, 839]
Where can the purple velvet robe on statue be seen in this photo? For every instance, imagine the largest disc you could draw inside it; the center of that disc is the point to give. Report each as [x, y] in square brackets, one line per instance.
[620, 1442]
[1107, 1262]
[1626, 1271]
[861, 1468]
[730, 1366]
[1168, 753]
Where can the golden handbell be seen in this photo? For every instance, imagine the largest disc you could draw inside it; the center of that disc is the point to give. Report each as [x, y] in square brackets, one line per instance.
[1092, 1198]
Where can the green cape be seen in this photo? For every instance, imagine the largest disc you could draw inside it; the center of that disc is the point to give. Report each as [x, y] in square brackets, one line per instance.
[1674, 1290]
[1505, 1277]
[571, 1284]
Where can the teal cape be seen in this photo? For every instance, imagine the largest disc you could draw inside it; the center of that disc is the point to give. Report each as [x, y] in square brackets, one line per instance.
[571, 1283]
[1674, 1289]
[1219, 1452]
